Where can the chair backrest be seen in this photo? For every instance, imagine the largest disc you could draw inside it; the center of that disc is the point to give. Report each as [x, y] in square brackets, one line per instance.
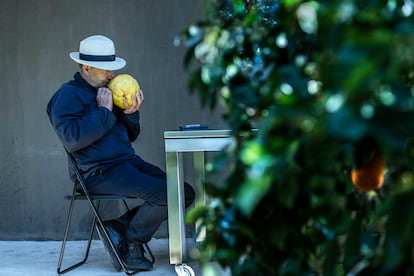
[83, 193]
[79, 177]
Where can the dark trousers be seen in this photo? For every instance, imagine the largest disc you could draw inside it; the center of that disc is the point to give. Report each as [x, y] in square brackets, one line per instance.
[143, 180]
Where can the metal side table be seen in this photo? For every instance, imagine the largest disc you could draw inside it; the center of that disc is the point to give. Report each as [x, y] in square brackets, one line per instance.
[177, 142]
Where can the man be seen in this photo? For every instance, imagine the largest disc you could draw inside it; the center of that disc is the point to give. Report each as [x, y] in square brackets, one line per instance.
[98, 134]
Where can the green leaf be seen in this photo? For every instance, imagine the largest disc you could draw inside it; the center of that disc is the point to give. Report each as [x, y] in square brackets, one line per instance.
[195, 213]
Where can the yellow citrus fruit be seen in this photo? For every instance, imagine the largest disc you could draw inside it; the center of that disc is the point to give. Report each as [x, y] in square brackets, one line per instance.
[123, 86]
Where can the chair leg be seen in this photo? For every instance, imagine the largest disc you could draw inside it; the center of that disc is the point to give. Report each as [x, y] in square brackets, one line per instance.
[150, 253]
[96, 220]
[125, 204]
[62, 251]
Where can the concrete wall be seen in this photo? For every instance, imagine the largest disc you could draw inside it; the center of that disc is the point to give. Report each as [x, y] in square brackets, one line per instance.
[36, 37]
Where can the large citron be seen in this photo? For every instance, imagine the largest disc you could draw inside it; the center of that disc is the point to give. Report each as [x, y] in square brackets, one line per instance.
[123, 86]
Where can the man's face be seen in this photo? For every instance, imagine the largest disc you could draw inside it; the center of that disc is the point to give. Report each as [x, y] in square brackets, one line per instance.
[97, 77]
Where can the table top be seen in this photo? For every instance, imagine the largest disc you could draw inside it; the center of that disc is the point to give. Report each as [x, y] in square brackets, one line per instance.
[204, 133]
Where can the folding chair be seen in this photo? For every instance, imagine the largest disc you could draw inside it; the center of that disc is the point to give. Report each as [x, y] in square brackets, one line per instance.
[94, 202]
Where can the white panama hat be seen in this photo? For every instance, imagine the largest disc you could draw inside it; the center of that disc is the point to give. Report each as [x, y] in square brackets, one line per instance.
[98, 51]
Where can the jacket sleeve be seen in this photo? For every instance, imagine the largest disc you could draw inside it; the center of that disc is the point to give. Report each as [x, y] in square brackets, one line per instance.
[76, 126]
[130, 121]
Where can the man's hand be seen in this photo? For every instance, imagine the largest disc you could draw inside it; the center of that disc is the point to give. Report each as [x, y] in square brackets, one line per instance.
[104, 98]
[137, 100]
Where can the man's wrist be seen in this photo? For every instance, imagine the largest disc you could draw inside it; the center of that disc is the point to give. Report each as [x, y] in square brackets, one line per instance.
[106, 107]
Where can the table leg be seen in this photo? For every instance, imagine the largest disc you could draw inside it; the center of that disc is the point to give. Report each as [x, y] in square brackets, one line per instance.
[176, 227]
[199, 179]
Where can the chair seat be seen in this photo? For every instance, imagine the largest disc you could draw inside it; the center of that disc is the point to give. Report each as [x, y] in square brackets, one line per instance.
[99, 197]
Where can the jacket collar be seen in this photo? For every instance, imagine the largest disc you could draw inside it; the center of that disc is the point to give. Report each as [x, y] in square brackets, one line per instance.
[82, 82]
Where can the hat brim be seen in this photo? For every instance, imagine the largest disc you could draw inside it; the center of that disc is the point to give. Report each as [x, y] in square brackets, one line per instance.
[117, 64]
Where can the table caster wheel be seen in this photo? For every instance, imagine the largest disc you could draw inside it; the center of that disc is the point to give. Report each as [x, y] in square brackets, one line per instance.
[184, 270]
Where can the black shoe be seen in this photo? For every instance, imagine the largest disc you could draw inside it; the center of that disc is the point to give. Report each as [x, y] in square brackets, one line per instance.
[117, 239]
[134, 258]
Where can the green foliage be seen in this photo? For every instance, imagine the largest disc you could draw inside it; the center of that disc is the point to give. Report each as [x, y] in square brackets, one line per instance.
[315, 78]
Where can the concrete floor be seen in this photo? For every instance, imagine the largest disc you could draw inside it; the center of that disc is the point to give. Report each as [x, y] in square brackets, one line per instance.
[23, 258]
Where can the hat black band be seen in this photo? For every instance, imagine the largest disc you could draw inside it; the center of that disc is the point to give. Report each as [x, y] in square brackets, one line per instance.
[96, 58]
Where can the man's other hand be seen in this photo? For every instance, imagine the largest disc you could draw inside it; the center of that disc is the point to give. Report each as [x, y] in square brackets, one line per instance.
[137, 100]
[104, 98]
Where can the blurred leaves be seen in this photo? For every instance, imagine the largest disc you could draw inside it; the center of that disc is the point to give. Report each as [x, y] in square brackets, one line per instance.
[315, 78]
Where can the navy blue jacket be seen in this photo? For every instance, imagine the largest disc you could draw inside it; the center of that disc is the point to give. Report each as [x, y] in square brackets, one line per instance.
[97, 137]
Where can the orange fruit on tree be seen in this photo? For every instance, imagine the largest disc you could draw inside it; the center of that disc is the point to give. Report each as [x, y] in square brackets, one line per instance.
[370, 175]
